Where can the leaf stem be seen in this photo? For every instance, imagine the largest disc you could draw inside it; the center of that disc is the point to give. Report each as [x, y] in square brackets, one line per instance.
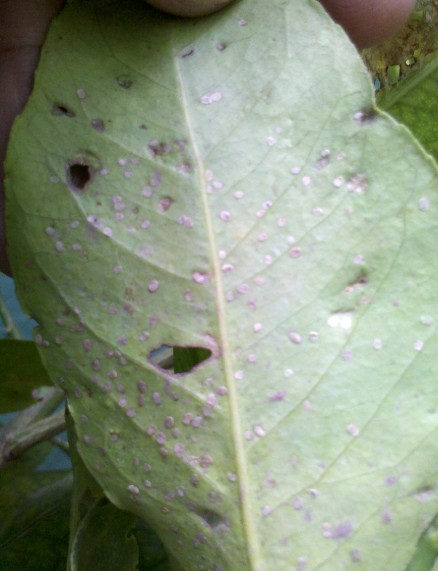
[32, 425]
[11, 327]
[61, 444]
[51, 397]
[17, 442]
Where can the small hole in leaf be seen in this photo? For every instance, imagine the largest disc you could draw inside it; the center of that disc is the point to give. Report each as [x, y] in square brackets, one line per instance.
[79, 176]
[62, 111]
[178, 360]
[211, 518]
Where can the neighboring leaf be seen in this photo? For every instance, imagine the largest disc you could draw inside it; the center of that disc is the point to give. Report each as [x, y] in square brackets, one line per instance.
[86, 491]
[105, 540]
[29, 461]
[21, 371]
[226, 184]
[87, 494]
[185, 358]
[35, 519]
[415, 104]
[426, 552]
[152, 555]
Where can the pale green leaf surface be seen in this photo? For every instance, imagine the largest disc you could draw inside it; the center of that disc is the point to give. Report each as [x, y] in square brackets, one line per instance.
[244, 199]
[415, 103]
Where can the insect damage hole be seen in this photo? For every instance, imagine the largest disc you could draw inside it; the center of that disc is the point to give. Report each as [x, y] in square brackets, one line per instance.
[178, 359]
[79, 176]
[60, 110]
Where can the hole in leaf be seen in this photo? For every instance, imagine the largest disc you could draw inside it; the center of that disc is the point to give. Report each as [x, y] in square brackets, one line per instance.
[62, 111]
[211, 518]
[178, 360]
[79, 176]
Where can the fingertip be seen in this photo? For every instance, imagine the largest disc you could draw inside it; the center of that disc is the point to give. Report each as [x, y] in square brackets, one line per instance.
[371, 22]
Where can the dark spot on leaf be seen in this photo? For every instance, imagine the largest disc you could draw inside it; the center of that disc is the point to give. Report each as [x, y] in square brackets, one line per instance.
[188, 53]
[165, 203]
[179, 360]
[211, 518]
[358, 283]
[159, 149]
[355, 555]
[79, 176]
[124, 81]
[365, 117]
[277, 396]
[98, 124]
[221, 47]
[62, 111]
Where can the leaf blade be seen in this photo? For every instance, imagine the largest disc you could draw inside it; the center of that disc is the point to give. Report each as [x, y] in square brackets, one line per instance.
[297, 257]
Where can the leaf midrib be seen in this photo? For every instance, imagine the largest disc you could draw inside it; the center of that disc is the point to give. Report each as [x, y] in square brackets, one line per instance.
[253, 550]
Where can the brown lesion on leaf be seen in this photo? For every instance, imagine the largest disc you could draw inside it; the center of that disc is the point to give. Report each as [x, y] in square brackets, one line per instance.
[358, 283]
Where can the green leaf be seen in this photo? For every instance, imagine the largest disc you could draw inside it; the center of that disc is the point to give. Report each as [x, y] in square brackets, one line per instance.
[226, 184]
[87, 501]
[414, 103]
[184, 359]
[426, 552]
[104, 540]
[152, 555]
[35, 517]
[21, 371]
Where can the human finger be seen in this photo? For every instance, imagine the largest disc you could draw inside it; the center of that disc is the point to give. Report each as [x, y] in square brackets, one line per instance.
[372, 21]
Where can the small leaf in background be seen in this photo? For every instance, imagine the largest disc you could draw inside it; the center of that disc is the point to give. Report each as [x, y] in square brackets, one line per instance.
[21, 371]
[415, 104]
[405, 72]
[87, 494]
[426, 552]
[152, 554]
[35, 507]
[185, 358]
[105, 540]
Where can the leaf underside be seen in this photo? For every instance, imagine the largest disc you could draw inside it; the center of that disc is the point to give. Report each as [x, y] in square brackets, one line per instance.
[225, 184]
